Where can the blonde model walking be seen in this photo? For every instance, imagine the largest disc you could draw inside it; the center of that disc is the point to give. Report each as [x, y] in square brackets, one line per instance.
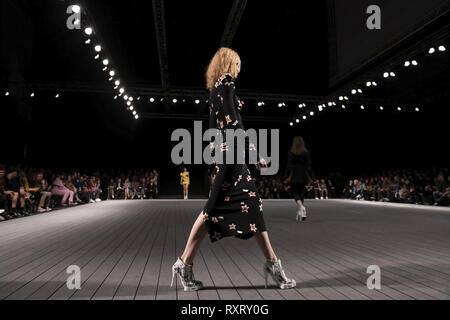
[234, 208]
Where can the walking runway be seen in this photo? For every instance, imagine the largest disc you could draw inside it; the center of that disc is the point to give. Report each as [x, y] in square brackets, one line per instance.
[125, 250]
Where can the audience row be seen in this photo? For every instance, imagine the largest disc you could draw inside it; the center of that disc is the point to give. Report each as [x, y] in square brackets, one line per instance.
[26, 191]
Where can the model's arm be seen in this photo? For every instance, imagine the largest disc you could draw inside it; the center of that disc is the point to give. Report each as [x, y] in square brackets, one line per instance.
[231, 119]
[289, 166]
[309, 166]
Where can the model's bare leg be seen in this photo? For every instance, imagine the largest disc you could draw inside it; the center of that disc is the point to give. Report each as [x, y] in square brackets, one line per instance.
[264, 243]
[198, 234]
[299, 204]
[273, 266]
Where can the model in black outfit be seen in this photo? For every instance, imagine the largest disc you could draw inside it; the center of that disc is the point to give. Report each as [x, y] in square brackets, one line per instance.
[300, 170]
[234, 208]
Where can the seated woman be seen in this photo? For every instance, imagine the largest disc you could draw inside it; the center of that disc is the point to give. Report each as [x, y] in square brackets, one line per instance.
[59, 189]
[128, 191]
[69, 185]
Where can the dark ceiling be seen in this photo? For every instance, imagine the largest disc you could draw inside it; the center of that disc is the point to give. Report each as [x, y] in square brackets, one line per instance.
[286, 48]
[279, 51]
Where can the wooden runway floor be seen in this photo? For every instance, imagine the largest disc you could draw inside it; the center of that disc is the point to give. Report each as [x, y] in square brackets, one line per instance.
[125, 250]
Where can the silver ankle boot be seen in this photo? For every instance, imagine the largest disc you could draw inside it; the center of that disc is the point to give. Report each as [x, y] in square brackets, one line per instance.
[276, 271]
[184, 271]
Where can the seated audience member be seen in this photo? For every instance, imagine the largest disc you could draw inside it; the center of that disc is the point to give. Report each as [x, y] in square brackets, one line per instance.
[12, 191]
[25, 195]
[440, 187]
[310, 191]
[128, 190]
[317, 191]
[69, 185]
[59, 189]
[348, 190]
[135, 186]
[323, 189]
[119, 189]
[97, 191]
[111, 190]
[403, 194]
[44, 191]
[444, 199]
[3, 213]
[84, 190]
[331, 189]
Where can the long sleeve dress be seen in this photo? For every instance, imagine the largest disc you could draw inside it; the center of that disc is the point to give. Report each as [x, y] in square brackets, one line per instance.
[234, 208]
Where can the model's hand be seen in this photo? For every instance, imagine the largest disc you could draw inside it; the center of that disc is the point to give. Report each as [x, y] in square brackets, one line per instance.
[261, 164]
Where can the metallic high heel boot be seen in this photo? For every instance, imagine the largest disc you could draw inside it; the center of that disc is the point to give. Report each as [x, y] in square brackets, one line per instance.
[276, 271]
[184, 271]
[304, 216]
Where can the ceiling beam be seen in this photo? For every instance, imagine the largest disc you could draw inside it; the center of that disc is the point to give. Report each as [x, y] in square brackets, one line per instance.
[232, 25]
[192, 92]
[205, 117]
[161, 39]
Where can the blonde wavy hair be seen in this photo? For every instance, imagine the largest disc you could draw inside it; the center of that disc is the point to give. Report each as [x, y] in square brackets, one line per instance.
[224, 61]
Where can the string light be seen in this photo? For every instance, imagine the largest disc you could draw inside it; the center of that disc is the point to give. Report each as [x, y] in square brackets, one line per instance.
[76, 9]
[442, 48]
[88, 31]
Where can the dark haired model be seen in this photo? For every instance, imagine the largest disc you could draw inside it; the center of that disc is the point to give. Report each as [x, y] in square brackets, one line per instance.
[300, 171]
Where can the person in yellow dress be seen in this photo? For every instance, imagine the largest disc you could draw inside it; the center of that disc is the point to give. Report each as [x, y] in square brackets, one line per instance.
[185, 181]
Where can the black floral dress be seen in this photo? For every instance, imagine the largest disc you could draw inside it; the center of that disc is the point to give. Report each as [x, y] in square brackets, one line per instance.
[234, 208]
